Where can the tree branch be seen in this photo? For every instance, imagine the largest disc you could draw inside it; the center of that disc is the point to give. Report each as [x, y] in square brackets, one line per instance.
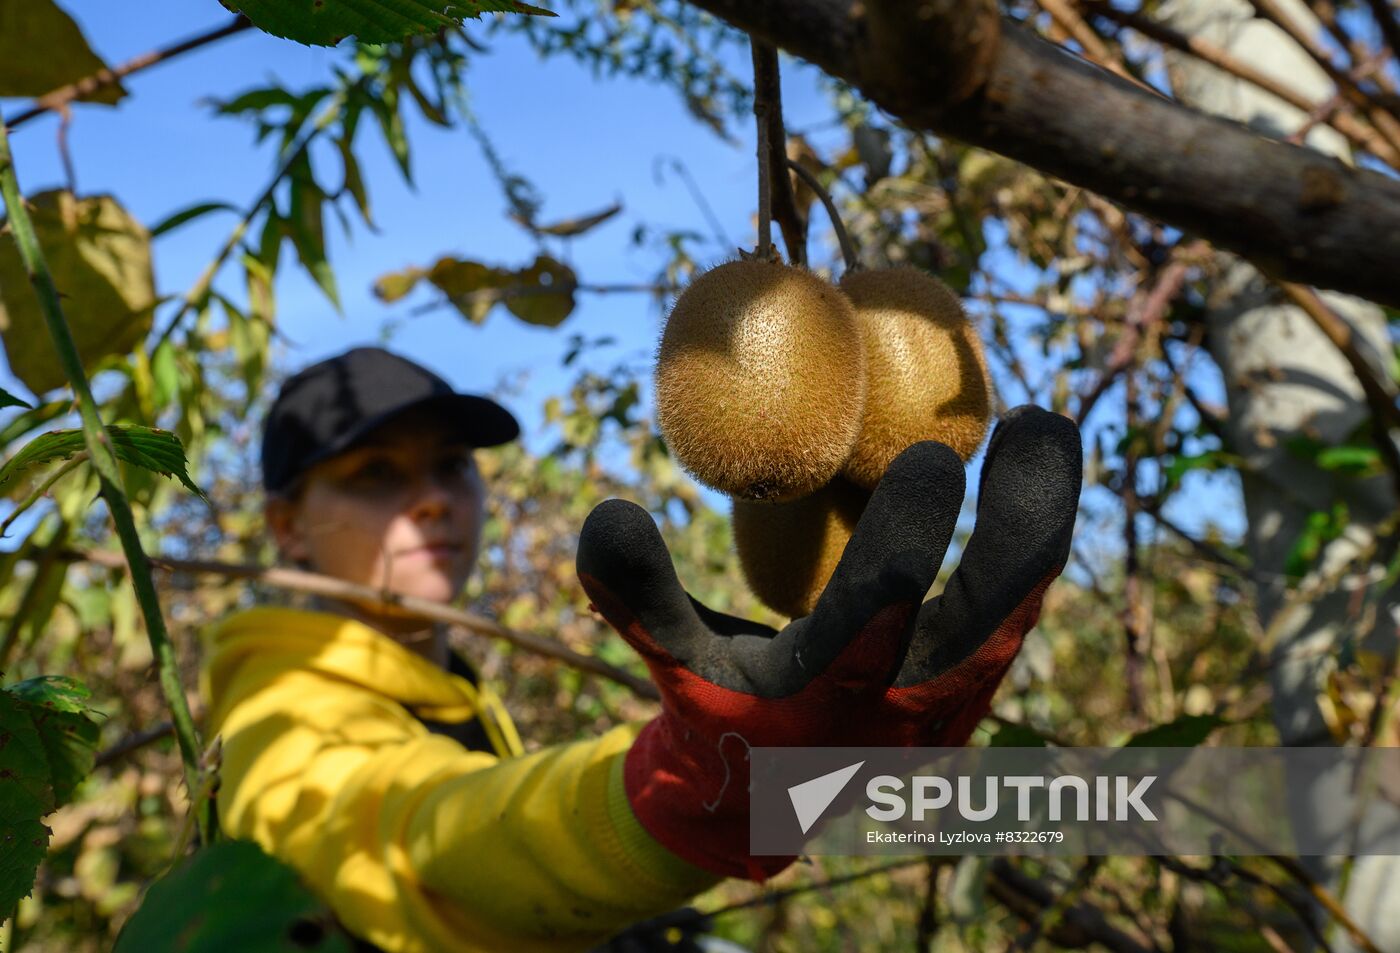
[1295, 213]
[88, 85]
[297, 580]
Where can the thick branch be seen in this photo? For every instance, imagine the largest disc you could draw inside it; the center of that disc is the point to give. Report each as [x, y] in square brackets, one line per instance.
[1296, 214]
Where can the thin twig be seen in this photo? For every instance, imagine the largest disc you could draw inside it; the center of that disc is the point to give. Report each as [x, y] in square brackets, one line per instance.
[297, 580]
[848, 248]
[1329, 902]
[1384, 122]
[134, 742]
[1147, 309]
[61, 97]
[1389, 24]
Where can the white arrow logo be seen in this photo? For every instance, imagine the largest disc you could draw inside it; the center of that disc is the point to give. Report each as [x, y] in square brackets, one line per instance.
[811, 798]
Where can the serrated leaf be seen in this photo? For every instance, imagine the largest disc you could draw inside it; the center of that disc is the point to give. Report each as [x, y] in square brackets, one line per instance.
[548, 297]
[69, 736]
[26, 795]
[228, 896]
[327, 22]
[100, 258]
[42, 49]
[10, 400]
[179, 218]
[1188, 731]
[146, 447]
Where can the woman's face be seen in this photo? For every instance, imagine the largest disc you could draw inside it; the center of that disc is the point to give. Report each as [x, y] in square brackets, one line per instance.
[401, 512]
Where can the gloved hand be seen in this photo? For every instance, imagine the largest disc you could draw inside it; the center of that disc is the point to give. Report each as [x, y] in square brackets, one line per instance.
[871, 665]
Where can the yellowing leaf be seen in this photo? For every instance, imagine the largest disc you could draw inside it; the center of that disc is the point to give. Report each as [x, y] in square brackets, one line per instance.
[100, 258]
[545, 293]
[571, 227]
[42, 49]
[473, 288]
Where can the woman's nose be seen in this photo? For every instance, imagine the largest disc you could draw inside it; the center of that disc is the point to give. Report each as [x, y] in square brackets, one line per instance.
[432, 497]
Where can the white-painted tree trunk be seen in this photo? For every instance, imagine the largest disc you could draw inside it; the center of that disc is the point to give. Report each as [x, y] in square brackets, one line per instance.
[1283, 377]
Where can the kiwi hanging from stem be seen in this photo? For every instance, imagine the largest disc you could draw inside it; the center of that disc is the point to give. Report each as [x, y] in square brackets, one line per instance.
[760, 380]
[927, 377]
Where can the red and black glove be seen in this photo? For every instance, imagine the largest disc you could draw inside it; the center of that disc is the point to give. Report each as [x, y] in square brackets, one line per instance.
[872, 664]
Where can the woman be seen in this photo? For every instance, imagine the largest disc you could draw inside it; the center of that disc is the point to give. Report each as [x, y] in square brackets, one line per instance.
[360, 751]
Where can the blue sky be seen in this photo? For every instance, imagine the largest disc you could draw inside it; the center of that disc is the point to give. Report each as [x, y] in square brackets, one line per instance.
[584, 142]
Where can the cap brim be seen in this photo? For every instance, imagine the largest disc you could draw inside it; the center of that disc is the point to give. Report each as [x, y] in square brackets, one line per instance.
[479, 421]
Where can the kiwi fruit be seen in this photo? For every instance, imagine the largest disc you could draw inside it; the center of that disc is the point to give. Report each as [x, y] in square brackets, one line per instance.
[788, 551]
[926, 375]
[760, 380]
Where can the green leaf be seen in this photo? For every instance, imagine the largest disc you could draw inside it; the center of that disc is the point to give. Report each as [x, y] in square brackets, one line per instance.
[10, 400]
[146, 447]
[165, 370]
[257, 100]
[1320, 529]
[306, 223]
[189, 215]
[26, 795]
[60, 714]
[354, 181]
[41, 49]
[1188, 731]
[386, 111]
[230, 896]
[1352, 459]
[327, 22]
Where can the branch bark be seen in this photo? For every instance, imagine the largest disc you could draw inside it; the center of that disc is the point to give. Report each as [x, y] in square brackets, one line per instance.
[957, 69]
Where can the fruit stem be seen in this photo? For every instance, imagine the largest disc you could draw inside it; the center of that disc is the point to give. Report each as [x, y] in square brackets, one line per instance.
[848, 248]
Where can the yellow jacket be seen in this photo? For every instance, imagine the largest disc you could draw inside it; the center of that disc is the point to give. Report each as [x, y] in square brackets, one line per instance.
[416, 842]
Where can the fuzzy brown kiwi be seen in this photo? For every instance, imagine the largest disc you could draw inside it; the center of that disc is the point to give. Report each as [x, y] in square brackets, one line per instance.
[788, 551]
[760, 380]
[926, 375]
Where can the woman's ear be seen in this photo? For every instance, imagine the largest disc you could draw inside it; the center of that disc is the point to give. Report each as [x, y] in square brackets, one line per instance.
[281, 515]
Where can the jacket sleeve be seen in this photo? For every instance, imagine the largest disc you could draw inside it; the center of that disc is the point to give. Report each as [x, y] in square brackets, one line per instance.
[418, 844]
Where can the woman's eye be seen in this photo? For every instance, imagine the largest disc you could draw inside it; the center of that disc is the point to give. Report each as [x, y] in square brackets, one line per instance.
[456, 466]
[375, 472]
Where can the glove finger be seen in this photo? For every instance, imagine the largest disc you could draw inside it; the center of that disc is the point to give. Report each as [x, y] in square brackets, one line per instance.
[626, 570]
[1026, 507]
[886, 569]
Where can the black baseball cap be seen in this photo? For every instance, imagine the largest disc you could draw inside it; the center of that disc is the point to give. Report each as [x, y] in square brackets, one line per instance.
[326, 408]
